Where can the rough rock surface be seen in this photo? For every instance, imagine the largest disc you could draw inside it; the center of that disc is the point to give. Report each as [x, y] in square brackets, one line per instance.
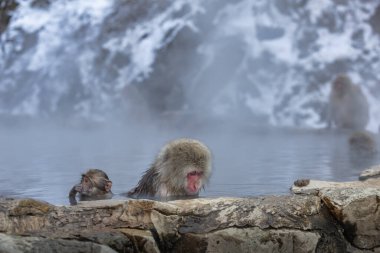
[266, 224]
[18, 244]
[358, 212]
[370, 173]
[355, 205]
[323, 217]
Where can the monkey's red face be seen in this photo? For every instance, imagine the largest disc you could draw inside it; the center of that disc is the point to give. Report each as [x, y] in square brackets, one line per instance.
[194, 182]
[341, 86]
[85, 186]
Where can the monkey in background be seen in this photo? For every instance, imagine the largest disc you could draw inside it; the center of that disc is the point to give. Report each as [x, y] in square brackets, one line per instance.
[94, 185]
[180, 170]
[348, 107]
[362, 143]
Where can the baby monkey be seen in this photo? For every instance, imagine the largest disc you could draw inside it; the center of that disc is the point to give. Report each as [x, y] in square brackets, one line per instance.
[94, 185]
[180, 170]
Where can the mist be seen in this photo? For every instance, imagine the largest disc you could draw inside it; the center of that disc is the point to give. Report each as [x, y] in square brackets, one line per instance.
[105, 84]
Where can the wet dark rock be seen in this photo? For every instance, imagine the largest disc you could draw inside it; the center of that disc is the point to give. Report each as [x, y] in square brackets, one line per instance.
[114, 239]
[19, 244]
[6, 8]
[40, 4]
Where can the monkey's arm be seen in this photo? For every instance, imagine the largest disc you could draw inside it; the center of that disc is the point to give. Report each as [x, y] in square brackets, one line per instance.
[73, 193]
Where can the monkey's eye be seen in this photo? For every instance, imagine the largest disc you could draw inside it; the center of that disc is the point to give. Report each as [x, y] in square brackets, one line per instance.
[86, 181]
[195, 173]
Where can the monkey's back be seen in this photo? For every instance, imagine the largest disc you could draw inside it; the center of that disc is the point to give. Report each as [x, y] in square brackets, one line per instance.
[167, 177]
[146, 187]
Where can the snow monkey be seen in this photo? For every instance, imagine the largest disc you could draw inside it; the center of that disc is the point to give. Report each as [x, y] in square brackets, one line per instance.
[180, 170]
[362, 142]
[348, 107]
[94, 185]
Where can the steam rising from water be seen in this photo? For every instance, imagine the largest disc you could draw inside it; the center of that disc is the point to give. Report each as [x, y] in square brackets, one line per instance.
[256, 61]
[182, 63]
[74, 58]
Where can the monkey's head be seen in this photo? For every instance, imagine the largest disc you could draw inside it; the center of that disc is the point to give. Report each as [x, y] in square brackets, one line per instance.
[341, 85]
[362, 142]
[185, 166]
[94, 182]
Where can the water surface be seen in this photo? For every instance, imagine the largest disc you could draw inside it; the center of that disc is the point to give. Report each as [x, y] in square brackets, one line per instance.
[44, 163]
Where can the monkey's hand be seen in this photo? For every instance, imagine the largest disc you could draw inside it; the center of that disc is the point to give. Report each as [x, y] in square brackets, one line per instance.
[78, 187]
[73, 193]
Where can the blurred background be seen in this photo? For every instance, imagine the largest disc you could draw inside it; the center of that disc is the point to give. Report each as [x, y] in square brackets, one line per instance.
[106, 83]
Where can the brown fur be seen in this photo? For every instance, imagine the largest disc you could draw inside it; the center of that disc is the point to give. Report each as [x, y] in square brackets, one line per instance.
[348, 107]
[170, 168]
[363, 142]
[98, 187]
[301, 182]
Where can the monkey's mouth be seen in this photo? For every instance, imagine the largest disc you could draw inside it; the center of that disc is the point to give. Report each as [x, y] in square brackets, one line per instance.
[192, 188]
[193, 182]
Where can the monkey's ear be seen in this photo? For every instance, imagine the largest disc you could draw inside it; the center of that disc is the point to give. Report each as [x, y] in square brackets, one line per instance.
[108, 185]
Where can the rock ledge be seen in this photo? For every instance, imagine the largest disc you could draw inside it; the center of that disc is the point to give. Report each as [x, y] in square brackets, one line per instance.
[320, 217]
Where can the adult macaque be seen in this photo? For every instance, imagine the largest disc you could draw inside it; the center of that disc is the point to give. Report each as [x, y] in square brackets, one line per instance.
[348, 107]
[181, 169]
[94, 185]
